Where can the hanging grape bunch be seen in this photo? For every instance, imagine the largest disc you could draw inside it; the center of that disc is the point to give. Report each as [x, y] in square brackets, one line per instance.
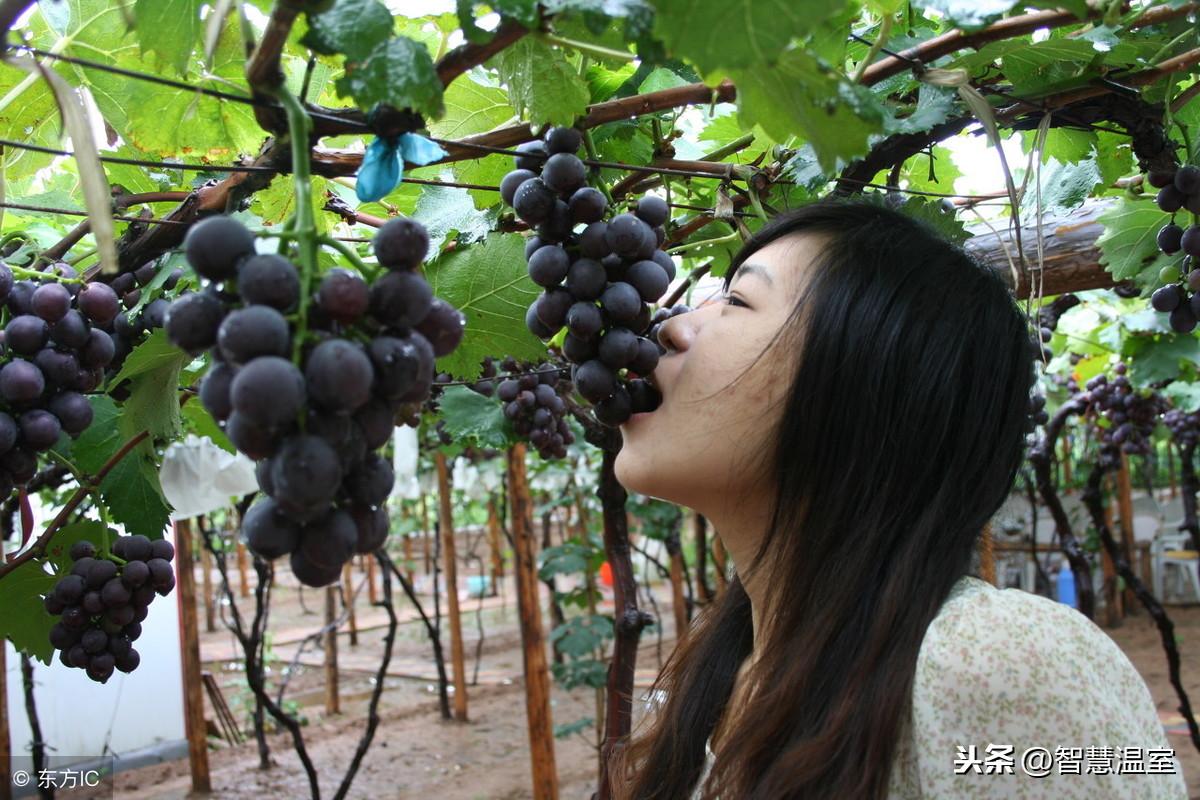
[313, 417]
[533, 403]
[128, 329]
[1131, 416]
[1184, 427]
[101, 604]
[1180, 296]
[597, 281]
[55, 351]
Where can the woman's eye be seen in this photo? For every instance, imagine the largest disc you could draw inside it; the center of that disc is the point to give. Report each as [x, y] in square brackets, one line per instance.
[733, 300]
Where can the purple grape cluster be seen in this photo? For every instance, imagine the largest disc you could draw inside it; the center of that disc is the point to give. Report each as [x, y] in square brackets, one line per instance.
[1131, 416]
[101, 604]
[1180, 294]
[313, 423]
[533, 403]
[597, 281]
[1184, 427]
[56, 346]
[128, 329]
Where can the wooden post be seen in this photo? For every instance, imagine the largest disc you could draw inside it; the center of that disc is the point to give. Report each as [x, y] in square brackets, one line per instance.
[1125, 509]
[987, 556]
[678, 601]
[495, 543]
[446, 526]
[243, 577]
[537, 676]
[425, 537]
[719, 561]
[210, 623]
[5, 742]
[372, 592]
[703, 590]
[331, 669]
[408, 556]
[348, 589]
[189, 645]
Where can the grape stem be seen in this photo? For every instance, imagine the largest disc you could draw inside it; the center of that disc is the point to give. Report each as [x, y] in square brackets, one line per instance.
[304, 230]
[594, 172]
[684, 248]
[33, 274]
[589, 48]
[348, 253]
[85, 488]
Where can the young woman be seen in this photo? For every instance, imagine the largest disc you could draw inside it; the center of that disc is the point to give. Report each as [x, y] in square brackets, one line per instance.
[848, 419]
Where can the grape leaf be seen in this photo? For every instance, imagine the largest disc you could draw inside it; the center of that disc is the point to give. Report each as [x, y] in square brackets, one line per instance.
[799, 95]
[472, 108]
[352, 27]
[1159, 358]
[487, 171]
[25, 621]
[542, 84]
[101, 440]
[169, 28]
[197, 420]
[1064, 186]
[736, 34]
[488, 283]
[398, 72]
[1129, 244]
[1184, 396]
[469, 415]
[133, 495]
[446, 209]
[277, 202]
[153, 352]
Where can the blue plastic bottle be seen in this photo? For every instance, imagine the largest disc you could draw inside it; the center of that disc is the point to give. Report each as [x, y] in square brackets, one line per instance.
[1066, 585]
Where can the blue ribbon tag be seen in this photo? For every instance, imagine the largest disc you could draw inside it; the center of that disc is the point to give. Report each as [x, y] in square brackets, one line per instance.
[382, 167]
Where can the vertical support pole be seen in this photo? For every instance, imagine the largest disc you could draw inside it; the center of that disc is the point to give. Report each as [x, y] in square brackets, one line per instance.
[243, 576]
[703, 590]
[372, 592]
[408, 556]
[210, 623]
[678, 601]
[987, 555]
[348, 588]
[332, 705]
[719, 561]
[537, 679]
[425, 535]
[189, 644]
[1125, 509]
[1112, 598]
[495, 543]
[446, 526]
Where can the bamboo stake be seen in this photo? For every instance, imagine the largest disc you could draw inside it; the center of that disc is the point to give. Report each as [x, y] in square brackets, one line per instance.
[372, 592]
[189, 643]
[450, 566]
[243, 576]
[332, 706]
[1125, 509]
[537, 677]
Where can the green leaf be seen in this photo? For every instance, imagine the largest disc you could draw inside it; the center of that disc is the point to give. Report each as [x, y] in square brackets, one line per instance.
[1159, 358]
[154, 352]
[543, 86]
[472, 108]
[564, 559]
[1129, 242]
[169, 28]
[197, 420]
[133, 494]
[735, 34]
[800, 95]
[603, 83]
[352, 27]
[101, 440]
[580, 635]
[25, 621]
[934, 104]
[398, 72]
[486, 171]
[444, 210]
[490, 285]
[1040, 68]
[470, 415]
[1184, 396]
[1064, 186]
[153, 403]
[58, 551]
[277, 202]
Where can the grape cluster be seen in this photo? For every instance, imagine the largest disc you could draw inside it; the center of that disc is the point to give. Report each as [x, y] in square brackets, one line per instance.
[1180, 294]
[534, 405]
[55, 351]
[313, 424]
[597, 281]
[128, 329]
[101, 604]
[1184, 427]
[1130, 414]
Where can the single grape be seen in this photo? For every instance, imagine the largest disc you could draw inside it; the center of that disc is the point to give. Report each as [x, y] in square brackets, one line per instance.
[534, 323]
[510, 182]
[557, 226]
[268, 532]
[532, 155]
[58, 368]
[215, 245]
[250, 438]
[26, 334]
[51, 301]
[311, 574]
[443, 327]
[552, 307]
[1170, 199]
[376, 420]
[615, 409]
[371, 526]
[584, 320]
[83, 549]
[594, 380]
[268, 391]
[372, 482]
[339, 376]
[1182, 318]
[134, 574]
[269, 279]
[648, 278]
[73, 331]
[622, 302]
[1160, 178]
[401, 299]
[618, 347]
[653, 210]
[251, 332]
[549, 265]
[329, 541]
[99, 351]
[626, 234]
[305, 473]
[192, 321]
[534, 201]
[563, 140]
[1168, 274]
[1187, 179]
[588, 205]
[564, 173]
[343, 295]
[21, 382]
[1166, 298]
[214, 391]
[402, 243]
[1190, 241]
[578, 350]
[593, 241]
[39, 429]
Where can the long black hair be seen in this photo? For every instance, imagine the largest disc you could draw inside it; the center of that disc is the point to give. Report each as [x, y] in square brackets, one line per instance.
[910, 366]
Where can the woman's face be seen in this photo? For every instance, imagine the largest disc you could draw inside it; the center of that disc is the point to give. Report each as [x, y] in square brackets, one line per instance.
[702, 447]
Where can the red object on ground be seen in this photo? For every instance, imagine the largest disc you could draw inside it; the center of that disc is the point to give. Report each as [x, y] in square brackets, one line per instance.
[606, 574]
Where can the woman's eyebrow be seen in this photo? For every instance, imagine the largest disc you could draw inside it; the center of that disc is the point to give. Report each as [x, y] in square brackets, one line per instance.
[755, 269]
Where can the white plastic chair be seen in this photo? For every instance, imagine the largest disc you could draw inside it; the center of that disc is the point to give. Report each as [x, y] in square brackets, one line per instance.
[1170, 551]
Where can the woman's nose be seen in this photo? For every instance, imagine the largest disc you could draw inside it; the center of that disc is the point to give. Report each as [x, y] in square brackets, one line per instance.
[677, 333]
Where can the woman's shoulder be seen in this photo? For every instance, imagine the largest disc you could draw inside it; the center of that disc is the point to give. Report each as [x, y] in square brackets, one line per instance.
[1002, 672]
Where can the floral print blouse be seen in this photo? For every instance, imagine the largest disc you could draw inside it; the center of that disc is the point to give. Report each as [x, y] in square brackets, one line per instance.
[1018, 697]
